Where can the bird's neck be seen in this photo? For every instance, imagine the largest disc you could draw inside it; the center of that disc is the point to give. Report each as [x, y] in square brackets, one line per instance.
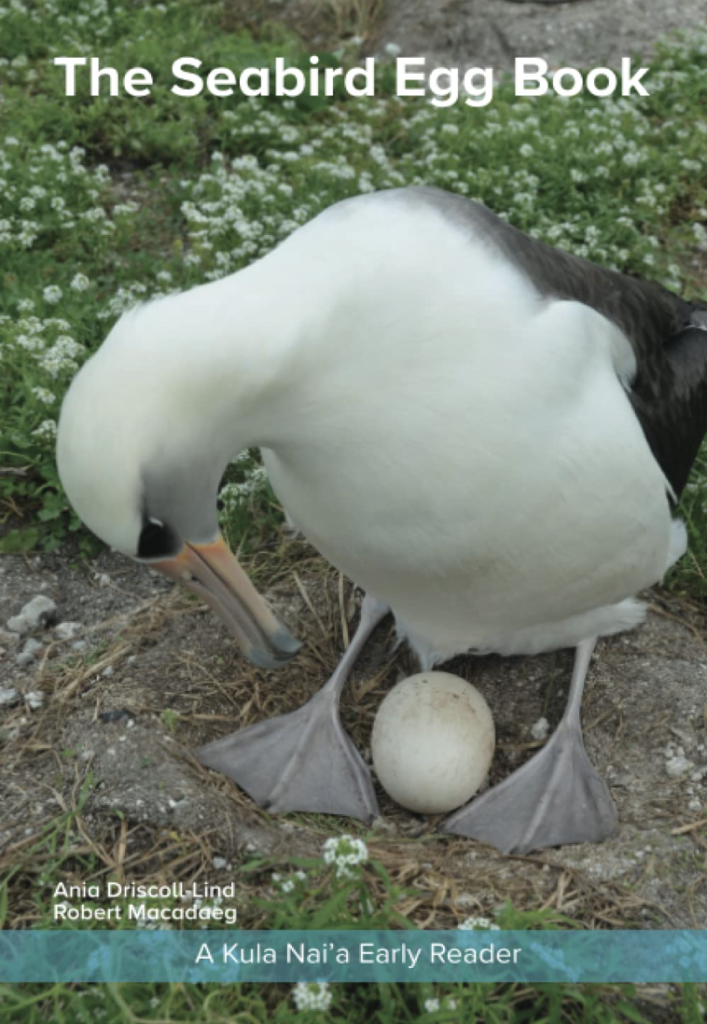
[232, 360]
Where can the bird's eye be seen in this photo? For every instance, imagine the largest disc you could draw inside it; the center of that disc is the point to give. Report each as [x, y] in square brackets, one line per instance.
[157, 541]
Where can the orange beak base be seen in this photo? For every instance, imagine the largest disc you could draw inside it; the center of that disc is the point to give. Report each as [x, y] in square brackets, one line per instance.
[212, 571]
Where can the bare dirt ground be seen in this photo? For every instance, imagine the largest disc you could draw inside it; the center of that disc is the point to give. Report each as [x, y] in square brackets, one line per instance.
[468, 33]
[158, 675]
[581, 33]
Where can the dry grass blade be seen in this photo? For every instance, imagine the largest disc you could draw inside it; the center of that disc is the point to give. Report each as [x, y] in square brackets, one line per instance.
[356, 17]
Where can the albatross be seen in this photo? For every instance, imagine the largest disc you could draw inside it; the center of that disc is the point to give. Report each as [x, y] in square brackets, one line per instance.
[487, 435]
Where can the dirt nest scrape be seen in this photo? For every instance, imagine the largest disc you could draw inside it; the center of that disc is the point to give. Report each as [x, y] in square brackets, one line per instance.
[159, 676]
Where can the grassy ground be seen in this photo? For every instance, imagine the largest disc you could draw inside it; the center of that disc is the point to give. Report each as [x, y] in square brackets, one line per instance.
[342, 888]
[106, 201]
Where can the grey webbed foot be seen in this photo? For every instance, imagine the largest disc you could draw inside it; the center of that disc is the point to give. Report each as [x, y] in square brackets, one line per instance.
[304, 761]
[556, 797]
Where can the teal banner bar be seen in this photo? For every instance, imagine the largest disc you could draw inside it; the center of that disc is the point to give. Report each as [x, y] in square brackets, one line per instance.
[350, 956]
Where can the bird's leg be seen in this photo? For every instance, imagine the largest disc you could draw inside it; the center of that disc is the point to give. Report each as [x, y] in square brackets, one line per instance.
[556, 797]
[304, 761]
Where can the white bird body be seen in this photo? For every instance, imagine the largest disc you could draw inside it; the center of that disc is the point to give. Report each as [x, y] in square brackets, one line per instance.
[461, 447]
[454, 442]
[483, 433]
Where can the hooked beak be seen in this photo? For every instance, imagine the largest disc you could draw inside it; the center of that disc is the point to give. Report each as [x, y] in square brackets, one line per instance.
[213, 572]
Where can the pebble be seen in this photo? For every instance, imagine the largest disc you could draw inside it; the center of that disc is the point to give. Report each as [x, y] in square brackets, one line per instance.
[8, 695]
[103, 579]
[35, 699]
[677, 766]
[220, 863]
[465, 899]
[38, 612]
[540, 730]
[624, 780]
[8, 639]
[28, 654]
[67, 630]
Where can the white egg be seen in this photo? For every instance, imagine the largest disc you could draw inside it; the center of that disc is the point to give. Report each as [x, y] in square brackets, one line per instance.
[432, 742]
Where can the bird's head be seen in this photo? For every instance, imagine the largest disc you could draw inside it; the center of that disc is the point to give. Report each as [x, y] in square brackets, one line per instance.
[141, 468]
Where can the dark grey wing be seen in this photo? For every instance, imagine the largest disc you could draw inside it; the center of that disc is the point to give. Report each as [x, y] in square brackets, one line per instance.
[673, 413]
[667, 333]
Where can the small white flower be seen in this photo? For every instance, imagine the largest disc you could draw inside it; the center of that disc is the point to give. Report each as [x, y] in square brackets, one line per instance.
[44, 395]
[80, 283]
[46, 429]
[431, 1005]
[472, 923]
[700, 233]
[393, 50]
[29, 342]
[345, 852]
[312, 995]
[52, 293]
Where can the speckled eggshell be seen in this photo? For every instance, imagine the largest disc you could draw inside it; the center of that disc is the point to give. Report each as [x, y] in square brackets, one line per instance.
[432, 742]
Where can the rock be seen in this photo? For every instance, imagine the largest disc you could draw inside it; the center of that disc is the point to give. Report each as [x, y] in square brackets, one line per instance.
[488, 33]
[8, 695]
[35, 699]
[67, 630]
[220, 863]
[29, 652]
[36, 614]
[677, 766]
[540, 730]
